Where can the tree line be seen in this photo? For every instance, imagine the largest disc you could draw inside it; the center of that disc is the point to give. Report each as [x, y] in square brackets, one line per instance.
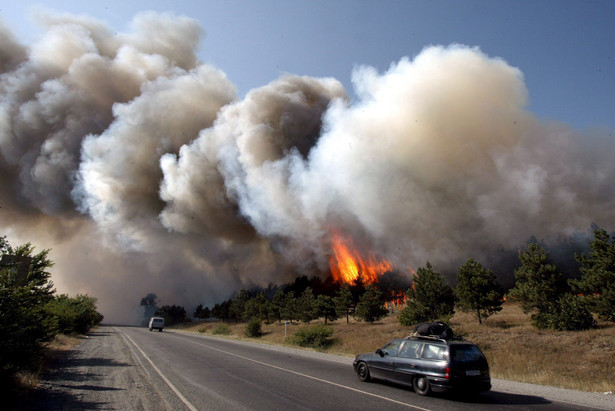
[31, 312]
[552, 300]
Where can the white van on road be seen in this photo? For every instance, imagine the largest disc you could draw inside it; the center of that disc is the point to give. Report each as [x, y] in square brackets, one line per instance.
[156, 323]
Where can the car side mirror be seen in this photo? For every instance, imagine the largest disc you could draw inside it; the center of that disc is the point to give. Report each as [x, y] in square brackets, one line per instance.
[380, 352]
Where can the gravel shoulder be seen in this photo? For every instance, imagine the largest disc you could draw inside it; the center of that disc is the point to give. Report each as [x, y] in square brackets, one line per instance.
[100, 373]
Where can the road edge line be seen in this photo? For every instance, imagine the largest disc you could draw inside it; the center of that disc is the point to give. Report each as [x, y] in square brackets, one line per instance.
[166, 380]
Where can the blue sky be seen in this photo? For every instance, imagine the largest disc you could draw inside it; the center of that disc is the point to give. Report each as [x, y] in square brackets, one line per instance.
[564, 48]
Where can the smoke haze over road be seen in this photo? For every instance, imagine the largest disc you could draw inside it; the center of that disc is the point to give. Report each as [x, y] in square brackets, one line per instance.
[144, 172]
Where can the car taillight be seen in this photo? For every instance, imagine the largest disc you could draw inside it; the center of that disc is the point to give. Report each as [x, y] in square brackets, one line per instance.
[447, 372]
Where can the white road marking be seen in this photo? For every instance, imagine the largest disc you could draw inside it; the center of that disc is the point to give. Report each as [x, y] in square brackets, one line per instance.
[306, 375]
[175, 390]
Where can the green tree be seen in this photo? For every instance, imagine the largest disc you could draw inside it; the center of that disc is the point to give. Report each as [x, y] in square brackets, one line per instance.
[344, 302]
[428, 299]
[598, 275]
[257, 307]
[325, 307]
[202, 312]
[478, 291]
[238, 305]
[150, 305]
[74, 315]
[172, 314]
[537, 283]
[307, 306]
[276, 305]
[545, 293]
[25, 291]
[290, 308]
[222, 310]
[371, 305]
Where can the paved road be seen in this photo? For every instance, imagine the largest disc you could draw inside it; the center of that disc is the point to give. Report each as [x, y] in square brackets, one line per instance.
[130, 368]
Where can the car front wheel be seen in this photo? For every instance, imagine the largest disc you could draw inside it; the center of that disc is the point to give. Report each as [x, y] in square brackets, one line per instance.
[363, 372]
[421, 385]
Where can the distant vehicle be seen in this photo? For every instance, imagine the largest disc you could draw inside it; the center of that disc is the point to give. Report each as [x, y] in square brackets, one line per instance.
[156, 323]
[427, 364]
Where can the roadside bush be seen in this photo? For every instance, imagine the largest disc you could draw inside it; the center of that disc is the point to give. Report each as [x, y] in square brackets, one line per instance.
[317, 336]
[74, 315]
[25, 326]
[253, 328]
[221, 329]
[569, 313]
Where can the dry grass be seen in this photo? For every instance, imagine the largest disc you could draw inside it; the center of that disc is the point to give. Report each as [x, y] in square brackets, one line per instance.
[20, 386]
[582, 360]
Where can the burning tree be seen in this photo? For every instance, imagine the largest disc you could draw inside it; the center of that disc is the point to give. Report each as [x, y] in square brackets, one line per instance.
[356, 270]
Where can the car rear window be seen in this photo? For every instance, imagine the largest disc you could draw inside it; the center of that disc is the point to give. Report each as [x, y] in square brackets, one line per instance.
[465, 353]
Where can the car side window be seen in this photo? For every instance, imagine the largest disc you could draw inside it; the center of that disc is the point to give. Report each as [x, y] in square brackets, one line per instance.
[391, 348]
[410, 349]
[433, 352]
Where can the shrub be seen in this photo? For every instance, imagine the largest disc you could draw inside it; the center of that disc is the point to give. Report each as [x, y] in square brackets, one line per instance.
[25, 289]
[74, 315]
[221, 329]
[253, 328]
[569, 313]
[317, 336]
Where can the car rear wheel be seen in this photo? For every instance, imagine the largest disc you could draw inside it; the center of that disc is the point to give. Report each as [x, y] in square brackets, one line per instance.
[421, 385]
[363, 372]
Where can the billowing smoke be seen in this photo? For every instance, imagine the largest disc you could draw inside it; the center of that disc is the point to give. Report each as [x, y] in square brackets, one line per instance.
[144, 172]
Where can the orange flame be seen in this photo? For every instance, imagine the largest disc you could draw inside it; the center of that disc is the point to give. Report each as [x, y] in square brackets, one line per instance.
[347, 264]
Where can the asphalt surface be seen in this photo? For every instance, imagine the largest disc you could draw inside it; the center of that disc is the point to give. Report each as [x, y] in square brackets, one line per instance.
[131, 368]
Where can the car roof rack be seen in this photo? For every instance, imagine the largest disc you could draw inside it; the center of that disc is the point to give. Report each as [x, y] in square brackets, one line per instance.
[435, 338]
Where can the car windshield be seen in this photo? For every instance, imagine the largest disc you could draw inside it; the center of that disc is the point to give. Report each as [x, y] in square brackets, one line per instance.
[465, 353]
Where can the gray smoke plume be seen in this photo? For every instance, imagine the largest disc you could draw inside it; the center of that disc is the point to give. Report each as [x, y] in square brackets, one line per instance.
[141, 169]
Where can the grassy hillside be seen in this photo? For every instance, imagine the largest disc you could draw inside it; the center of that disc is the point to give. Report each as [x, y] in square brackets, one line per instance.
[582, 360]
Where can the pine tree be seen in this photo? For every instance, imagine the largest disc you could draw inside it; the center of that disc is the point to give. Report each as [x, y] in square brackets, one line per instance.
[477, 290]
[428, 299]
[538, 283]
[371, 305]
[307, 306]
[344, 302]
[598, 280]
[325, 307]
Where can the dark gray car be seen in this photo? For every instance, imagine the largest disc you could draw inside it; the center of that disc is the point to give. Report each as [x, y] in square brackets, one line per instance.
[427, 364]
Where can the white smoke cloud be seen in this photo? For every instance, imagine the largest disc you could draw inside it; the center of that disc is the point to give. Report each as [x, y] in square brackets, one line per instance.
[140, 168]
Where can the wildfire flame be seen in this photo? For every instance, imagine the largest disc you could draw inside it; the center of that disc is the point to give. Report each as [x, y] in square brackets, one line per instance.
[347, 263]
